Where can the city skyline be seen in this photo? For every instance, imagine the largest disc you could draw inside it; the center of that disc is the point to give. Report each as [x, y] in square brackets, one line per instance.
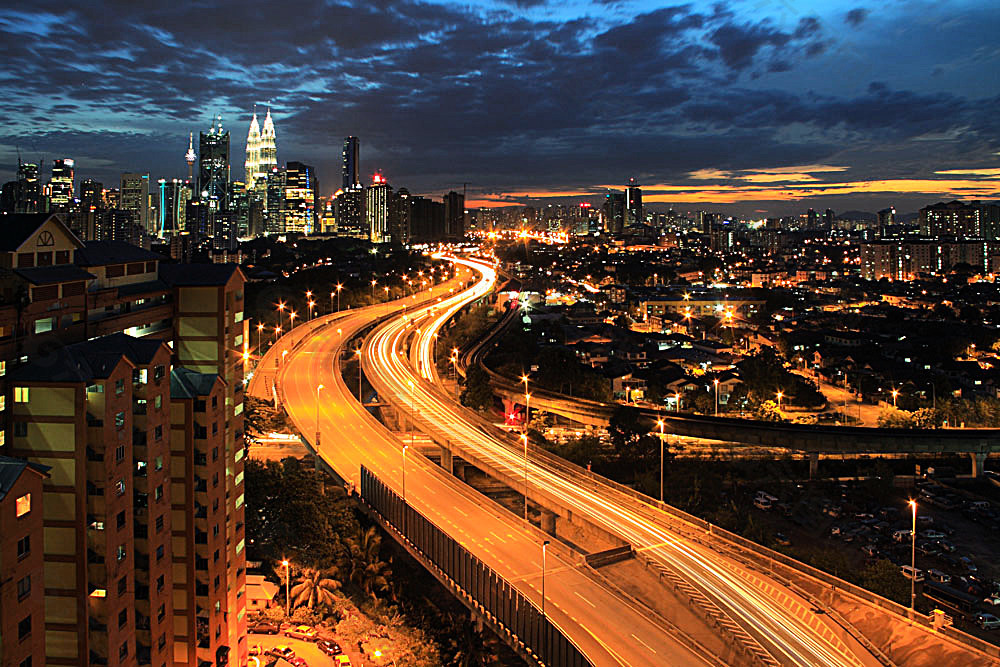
[753, 108]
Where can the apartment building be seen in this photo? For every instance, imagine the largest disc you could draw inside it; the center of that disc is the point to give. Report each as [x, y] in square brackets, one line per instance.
[90, 334]
[22, 602]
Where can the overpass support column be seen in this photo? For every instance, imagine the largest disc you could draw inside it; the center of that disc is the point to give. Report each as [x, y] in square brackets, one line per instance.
[813, 464]
[447, 461]
[978, 463]
[548, 522]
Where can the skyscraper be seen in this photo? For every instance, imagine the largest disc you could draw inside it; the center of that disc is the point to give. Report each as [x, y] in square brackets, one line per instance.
[91, 195]
[171, 206]
[633, 202]
[213, 165]
[352, 151]
[261, 153]
[454, 214]
[349, 212]
[135, 199]
[614, 212]
[61, 185]
[377, 209]
[274, 208]
[300, 198]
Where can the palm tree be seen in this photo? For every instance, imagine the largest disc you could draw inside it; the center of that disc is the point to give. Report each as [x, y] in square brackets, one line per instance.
[367, 571]
[314, 587]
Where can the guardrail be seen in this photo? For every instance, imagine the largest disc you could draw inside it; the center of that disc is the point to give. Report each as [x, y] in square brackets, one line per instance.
[496, 597]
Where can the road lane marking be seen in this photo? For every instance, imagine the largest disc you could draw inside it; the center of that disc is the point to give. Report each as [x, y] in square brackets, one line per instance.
[585, 599]
[643, 643]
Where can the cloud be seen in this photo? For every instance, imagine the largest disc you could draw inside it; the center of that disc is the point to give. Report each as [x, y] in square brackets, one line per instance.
[856, 16]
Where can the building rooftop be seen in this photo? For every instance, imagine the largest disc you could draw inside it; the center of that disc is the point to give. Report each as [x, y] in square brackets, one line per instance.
[100, 253]
[49, 275]
[11, 469]
[140, 351]
[15, 228]
[180, 275]
[186, 383]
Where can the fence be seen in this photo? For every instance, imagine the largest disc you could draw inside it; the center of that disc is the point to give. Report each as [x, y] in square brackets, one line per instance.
[504, 604]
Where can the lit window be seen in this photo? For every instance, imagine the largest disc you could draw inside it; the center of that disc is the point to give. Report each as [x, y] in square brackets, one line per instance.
[3, 402]
[22, 505]
[20, 394]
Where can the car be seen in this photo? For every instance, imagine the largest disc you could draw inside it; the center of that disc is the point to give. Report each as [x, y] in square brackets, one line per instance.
[342, 661]
[987, 621]
[871, 550]
[329, 647]
[901, 535]
[265, 628]
[298, 662]
[281, 651]
[968, 564]
[939, 576]
[910, 572]
[835, 531]
[256, 649]
[945, 545]
[932, 535]
[782, 540]
[301, 632]
[993, 600]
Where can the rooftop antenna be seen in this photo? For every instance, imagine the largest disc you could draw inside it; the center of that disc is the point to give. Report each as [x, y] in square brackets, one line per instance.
[189, 157]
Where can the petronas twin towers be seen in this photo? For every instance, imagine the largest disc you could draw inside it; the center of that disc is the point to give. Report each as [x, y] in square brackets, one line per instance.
[262, 152]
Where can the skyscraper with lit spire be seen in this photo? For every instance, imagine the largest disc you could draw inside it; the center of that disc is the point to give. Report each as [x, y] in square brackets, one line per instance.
[262, 151]
[190, 157]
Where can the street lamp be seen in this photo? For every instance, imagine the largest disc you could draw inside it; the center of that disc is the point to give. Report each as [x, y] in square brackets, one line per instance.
[779, 395]
[312, 304]
[895, 393]
[677, 400]
[339, 287]
[405, 447]
[277, 333]
[281, 310]
[288, 588]
[716, 383]
[357, 353]
[913, 560]
[524, 439]
[260, 331]
[527, 397]
[545, 546]
[319, 387]
[374, 282]
[659, 423]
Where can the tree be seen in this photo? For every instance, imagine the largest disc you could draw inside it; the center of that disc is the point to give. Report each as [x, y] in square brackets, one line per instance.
[315, 587]
[478, 394]
[883, 577]
[630, 436]
[369, 573]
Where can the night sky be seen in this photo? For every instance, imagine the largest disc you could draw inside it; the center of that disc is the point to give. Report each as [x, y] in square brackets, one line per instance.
[765, 105]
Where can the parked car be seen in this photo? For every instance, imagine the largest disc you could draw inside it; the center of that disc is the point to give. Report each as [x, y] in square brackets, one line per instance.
[256, 649]
[968, 564]
[301, 632]
[342, 661]
[939, 576]
[928, 549]
[265, 628]
[281, 651]
[987, 621]
[782, 540]
[329, 647]
[910, 572]
[932, 534]
[993, 600]
[298, 662]
[901, 535]
[945, 545]
[870, 550]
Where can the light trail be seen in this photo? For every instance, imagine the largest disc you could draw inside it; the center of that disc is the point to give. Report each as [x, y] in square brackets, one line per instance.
[789, 638]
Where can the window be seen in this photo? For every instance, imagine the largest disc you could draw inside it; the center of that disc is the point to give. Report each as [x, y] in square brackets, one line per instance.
[161, 642]
[120, 487]
[159, 463]
[159, 583]
[215, 401]
[158, 493]
[20, 429]
[120, 520]
[158, 402]
[122, 618]
[119, 453]
[158, 434]
[122, 585]
[159, 372]
[3, 364]
[25, 663]
[22, 505]
[21, 394]
[44, 258]
[119, 387]
[23, 547]
[215, 428]
[3, 403]
[62, 256]
[159, 553]
[120, 420]
[24, 587]
[24, 627]
[121, 552]
[161, 612]
[25, 260]
[215, 453]
[123, 651]
[159, 523]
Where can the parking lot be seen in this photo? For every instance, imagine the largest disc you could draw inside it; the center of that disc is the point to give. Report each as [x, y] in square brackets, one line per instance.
[957, 544]
[306, 650]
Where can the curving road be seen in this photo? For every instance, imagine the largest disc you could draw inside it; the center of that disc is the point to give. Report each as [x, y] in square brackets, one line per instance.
[607, 628]
[781, 622]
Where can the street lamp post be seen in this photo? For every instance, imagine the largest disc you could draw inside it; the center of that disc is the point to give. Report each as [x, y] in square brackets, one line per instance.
[913, 561]
[374, 282]
[339, 287]
[545, 546]
[660, 424]
[405, 447]
[260, 331]
[716, 383]
[779, 395]
[319, 387]
[357, 353]
[895, 393]
[677, 401]
[288, 588]
[524, 439]
[281, 311]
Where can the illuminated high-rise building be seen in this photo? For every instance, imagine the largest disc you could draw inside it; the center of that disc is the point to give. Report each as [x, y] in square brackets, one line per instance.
[613, 212]
[213, 166]
[633, 203]
[135, 199]
[171, 206]
[261, 153]
[351, 155]
[253, 152]
[268, 157]
[300, 198]
[349, 207]
[61, 185]
[377, 197]
[454, 216]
